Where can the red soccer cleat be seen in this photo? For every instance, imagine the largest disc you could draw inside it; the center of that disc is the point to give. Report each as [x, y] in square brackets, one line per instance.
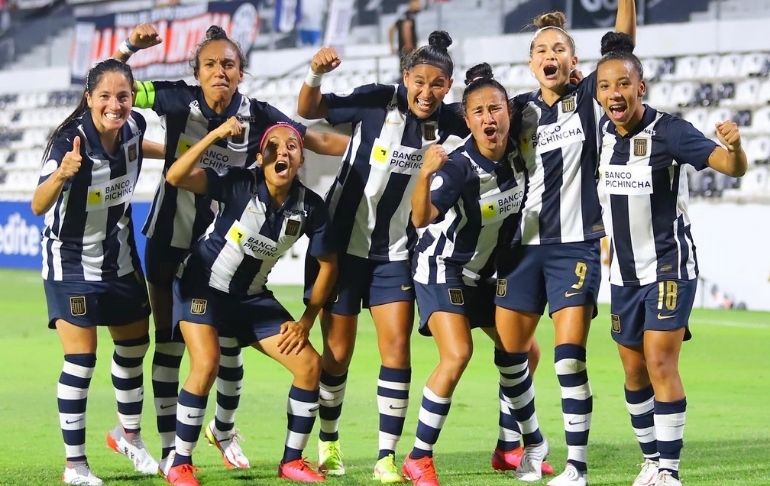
[299, 470]
[510, 460]
[182, 475]
[421, 471]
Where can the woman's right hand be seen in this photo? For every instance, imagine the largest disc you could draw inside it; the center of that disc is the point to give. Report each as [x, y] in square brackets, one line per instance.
[434, 159]
[230, 128]
[144, 36]
[70, 163]
[325, 60]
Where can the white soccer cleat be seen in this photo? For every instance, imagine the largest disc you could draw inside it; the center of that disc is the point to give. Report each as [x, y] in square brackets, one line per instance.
[532, 461]
[666, 479]
[165, 464]
[134, 449]
[230, 448]
[569, 477]
[648, 474]
[80, 474]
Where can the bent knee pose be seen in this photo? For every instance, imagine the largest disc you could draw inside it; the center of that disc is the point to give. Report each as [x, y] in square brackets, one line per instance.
[221, 288]
[91, 268]
[178, 217]
[653, 271]
[554, 255]
[392, 127]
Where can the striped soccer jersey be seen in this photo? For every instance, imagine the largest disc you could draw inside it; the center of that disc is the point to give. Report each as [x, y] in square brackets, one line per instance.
[370, 199]
[643, 191]
[559, 145]
[474, 195]
[88, 234]
[249, 234]
[178, 217]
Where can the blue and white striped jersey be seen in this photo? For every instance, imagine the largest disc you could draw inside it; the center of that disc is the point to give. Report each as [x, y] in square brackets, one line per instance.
[88, 234]
[643, 191]
[370, 199]
[559, 144]
[474, 195]
[178, 217]
[249, 234]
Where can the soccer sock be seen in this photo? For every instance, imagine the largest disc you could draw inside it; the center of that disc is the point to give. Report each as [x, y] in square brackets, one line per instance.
[301, 410]
[165, 386]
[128, 380]
[433, 413]
[71, 395]
[576, 401]
[669, 430]
[519, 392]
[640, 405]
[189, 420]
[392, 401]
[229, 382]
[330, 405]
[510, 435]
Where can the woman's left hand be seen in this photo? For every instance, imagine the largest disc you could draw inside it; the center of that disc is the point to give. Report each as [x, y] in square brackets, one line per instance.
[294, 337]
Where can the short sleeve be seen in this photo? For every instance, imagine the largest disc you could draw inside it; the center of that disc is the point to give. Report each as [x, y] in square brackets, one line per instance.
[687, 144]
[318, 227]
[349, 107]
[448, 183]
[224, 187]
[163, 97]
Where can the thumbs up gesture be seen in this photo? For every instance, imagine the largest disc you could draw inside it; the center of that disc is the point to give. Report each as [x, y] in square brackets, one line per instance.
[70, 164]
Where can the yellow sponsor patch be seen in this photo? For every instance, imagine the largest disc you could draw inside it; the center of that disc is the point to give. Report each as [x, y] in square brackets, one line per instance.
[380, 154]
[94, 197]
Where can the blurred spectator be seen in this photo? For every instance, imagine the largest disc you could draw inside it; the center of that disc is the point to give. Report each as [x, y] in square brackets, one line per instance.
[310, 25]
[406, 28]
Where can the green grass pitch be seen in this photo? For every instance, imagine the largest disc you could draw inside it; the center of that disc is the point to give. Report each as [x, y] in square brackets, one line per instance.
[726, 371]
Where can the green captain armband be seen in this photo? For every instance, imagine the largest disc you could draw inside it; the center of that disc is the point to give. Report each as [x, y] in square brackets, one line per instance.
[145, 94]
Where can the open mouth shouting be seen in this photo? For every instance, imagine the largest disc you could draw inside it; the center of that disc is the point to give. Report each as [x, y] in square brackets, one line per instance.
[551, 71]
[617, 110]
[490, 133]
[281, 167]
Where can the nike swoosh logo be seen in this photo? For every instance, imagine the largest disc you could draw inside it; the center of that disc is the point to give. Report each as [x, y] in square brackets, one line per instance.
[238, 388]
[70, 422]
[165, 407]
[576, 423]
[396, 408]
[194, 416]
[312, 409]
[661, 317]
[570, 294]
[406, 288]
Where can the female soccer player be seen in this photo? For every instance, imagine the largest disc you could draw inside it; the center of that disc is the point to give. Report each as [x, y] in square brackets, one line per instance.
[179, 217]
[91, 270]
[394, 127]
[653, 271]
[262, 212]
[555, 249]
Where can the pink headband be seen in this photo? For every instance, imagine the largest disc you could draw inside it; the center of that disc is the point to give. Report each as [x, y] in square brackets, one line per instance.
[269, 129]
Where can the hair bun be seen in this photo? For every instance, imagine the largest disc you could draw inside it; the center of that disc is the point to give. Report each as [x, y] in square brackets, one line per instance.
[550, 19]
[439, 39]
[617, 42]
[215, 32]
[479, 71]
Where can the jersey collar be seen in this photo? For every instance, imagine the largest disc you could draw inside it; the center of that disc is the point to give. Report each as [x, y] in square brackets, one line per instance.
[231, 110]
[263, 195]
[95, 142]
[488, 165]
[648, 117]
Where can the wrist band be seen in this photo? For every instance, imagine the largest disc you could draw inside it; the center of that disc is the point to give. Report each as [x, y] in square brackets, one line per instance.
[127, 48]
[313, 79]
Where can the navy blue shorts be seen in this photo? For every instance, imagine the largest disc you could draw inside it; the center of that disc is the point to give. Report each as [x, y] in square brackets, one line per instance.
[659, 306]
[248, 318]
[364, 282]
[161, 262]
[477, 304]
[561, 275]
[86, 304]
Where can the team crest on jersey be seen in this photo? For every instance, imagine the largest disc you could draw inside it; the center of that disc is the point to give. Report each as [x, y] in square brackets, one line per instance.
[456, 296]
[429, 130]
[292, 227]
[568, 105]
[502, 287]
[132, 152]
[198, 306]
[615, 323]
[78, 305]
[640, 147]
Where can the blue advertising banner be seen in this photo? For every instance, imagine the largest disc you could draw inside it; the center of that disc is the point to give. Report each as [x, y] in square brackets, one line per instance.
[20, 234]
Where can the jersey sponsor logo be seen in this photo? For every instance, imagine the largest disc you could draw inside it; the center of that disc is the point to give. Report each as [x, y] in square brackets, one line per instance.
[292, 227]
[502, 287]
[640, 147]
[628, 180]
[78, 305]
[615, 323]
[215, 157]
[456, 297]
[558, 135]
[568, 105]
[198, 306]
[251, 243]
[399, 159]
[115, 191]
[497, 207]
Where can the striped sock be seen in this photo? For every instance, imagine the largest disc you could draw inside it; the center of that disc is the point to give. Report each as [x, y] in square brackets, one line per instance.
[433, 413]
[392, 401]
[189, 420]
[640, 405]
[128, 380]
[509, 436]
[165, 386]
[229, 382]
[669, 430]
[330, 405]
[72, 395]
[519, 392]
[301, 410]
[576, 401]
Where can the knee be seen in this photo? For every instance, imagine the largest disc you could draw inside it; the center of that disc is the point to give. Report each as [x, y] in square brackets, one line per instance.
[661, 366]
[204, 369]
[454, 361]
[309, 373]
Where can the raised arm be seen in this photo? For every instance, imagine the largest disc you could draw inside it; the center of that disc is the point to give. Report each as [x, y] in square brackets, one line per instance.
[625, 19]
[48, 192]
[310, 104]
[326, 143]
[423, 211]
[184, 174]
[142, 37]
[730, 160]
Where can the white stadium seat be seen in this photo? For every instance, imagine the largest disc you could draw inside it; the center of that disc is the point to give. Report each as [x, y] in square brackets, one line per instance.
[683, 94]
